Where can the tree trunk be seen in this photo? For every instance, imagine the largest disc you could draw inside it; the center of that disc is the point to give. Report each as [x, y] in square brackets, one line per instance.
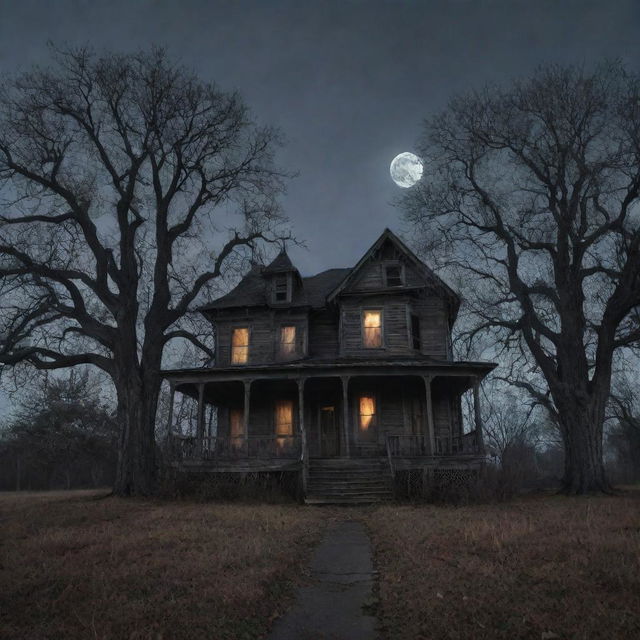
[137, 403]
[584, 470]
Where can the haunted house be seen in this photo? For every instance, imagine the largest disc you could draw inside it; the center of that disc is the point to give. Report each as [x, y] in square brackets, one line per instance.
[345, 378]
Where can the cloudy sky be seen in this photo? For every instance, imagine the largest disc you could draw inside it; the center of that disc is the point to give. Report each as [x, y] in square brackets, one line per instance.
[348, 82]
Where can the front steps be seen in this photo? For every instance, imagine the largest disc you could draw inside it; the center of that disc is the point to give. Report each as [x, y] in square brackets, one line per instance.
[348, 481]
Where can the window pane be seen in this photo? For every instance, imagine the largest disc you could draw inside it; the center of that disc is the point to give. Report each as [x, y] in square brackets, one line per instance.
[372, 328]
[284, 424]
[287, 341]
[394, 276]
[240, 346]
[284, 417]
[367, 412]
[236, 428]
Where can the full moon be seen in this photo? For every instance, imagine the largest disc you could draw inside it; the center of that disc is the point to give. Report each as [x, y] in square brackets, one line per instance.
[406, 169]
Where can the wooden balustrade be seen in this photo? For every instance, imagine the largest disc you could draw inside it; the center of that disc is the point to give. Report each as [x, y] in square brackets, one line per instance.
[241, 447]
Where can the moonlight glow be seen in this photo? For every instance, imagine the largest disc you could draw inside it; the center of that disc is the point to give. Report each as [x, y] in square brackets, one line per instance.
[406, 169]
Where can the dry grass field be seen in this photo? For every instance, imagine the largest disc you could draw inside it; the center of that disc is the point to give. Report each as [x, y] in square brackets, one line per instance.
[542, 567]
[73, 566]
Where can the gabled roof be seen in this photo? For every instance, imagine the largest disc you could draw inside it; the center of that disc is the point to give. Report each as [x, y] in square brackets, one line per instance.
[315, 291]
[429, 275]
[252, 291]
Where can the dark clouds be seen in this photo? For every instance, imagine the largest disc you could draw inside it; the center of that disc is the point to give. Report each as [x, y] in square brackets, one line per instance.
[348, 82]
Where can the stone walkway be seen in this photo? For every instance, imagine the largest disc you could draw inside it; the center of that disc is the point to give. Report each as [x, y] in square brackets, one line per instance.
[335, 605]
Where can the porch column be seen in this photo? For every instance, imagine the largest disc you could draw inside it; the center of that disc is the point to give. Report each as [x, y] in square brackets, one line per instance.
[304, 453]
[478, 416]
[200, 423]
[346, 427]
[430, 437]
[247, 404]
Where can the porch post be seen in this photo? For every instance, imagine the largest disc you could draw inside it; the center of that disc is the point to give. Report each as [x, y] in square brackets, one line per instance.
[247, 404]
[478, 416]
[200, 423]
[346, 427]
[430, 436]
[304, 453]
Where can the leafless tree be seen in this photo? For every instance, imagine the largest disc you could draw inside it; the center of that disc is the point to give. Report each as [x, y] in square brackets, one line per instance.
[129, 189]
[531, 193]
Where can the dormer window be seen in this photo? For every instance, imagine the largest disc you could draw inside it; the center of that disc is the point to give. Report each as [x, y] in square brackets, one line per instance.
[394, 275]
[281, 288]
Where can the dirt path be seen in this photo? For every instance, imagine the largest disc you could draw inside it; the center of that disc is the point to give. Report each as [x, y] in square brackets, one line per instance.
[334, 606]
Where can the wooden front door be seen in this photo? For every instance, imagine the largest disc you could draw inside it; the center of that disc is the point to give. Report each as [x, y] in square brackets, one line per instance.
[329, 445]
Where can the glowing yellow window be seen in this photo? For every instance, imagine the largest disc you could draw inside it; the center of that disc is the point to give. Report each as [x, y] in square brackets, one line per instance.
[284, 422]
[240, 346]
[367, 412]
[287, 342]
[372, 329]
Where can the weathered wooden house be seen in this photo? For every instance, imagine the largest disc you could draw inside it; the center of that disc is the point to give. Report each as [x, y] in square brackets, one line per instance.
[345, 377]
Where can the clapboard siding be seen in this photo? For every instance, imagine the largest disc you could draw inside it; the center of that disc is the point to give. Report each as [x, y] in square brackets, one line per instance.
[323, 334]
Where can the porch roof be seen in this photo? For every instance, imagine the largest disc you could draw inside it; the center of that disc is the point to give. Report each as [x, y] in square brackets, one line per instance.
[330, 368]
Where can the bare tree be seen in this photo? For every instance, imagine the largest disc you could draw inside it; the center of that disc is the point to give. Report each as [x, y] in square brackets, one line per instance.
[129, 188]
[531, 193]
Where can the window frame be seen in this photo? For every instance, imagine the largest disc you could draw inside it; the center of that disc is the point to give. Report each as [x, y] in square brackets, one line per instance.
[412, 336]
[280, 355]
[248, 347]
[364, 310]
[400, 266]
[288, 287]
[283, 439]
[373, 427]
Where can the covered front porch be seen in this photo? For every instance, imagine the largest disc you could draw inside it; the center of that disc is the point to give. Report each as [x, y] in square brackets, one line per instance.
[282, 418]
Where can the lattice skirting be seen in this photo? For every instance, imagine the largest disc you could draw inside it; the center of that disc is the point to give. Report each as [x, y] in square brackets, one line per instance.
[436, 484]
[264, 486]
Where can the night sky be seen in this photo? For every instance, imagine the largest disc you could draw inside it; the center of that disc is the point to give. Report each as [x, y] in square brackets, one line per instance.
[348, 82]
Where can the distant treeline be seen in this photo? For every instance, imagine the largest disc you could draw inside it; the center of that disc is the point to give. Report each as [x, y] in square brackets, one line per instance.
[62, 437]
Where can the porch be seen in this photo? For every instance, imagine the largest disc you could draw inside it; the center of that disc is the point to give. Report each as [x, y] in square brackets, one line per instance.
[286, 419]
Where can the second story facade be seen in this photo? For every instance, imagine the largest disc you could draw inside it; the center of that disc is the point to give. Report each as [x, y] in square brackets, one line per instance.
[389, 306]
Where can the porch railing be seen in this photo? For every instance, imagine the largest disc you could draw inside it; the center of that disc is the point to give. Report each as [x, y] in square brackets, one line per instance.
[233, 448]
[457, 445]
[404, 445]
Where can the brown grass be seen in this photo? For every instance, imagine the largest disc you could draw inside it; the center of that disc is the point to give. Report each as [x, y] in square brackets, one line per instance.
[542, 567]
[73, 566]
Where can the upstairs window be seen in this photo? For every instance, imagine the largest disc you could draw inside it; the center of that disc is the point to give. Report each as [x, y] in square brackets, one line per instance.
[415, 332]
[240, 345]
[366, 413]
[393, 275]
[283, 422]
[287, 343]
[372, 328]
[281, 288]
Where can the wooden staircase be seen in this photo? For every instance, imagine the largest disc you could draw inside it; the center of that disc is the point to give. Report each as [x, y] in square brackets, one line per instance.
[348, 481]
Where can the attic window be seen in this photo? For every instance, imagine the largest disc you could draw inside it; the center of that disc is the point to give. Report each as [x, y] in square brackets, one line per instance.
[393, 274]
[281, 291]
